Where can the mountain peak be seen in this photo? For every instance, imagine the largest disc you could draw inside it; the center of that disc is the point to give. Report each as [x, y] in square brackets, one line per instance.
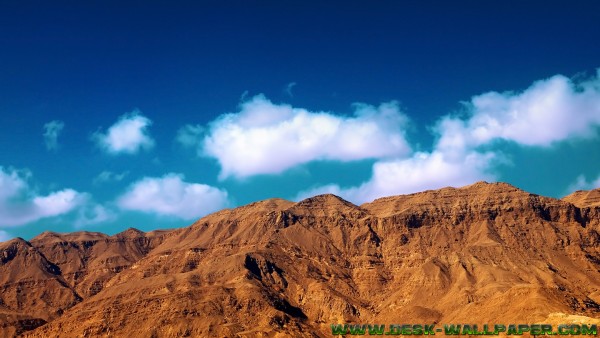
[584, 198]
[129, 233]
[324, 205]
[325, 201]
[17, 241]
[270, 204]
[52, 237]
[46, 236]
[476, 195]
[491, 186]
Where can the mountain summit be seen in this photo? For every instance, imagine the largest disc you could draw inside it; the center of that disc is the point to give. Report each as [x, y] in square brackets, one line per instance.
[488, 252]
[584, 198]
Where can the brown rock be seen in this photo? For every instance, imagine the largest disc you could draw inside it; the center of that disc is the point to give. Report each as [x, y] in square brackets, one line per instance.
[477, 254]
[583, 198]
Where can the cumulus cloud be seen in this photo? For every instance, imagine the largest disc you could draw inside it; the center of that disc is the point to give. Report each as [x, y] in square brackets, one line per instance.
[51, 131]
[549, 111]
[267, 138]
[19, 204]
[4, 236]
[171, 195]
[128, 135]
[190, 135]
[422, 171]
[109, 176]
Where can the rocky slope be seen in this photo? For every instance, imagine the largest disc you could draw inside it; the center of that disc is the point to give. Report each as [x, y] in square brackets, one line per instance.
[584, 198]
[477, 254]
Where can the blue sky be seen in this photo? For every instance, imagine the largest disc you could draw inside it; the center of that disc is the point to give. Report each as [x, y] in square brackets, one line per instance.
[153, 114]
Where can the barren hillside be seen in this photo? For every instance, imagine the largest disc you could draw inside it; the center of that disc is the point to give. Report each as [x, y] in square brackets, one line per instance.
[482, 253]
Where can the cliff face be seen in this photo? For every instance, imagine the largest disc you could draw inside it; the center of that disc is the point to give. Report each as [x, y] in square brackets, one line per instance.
[481, 253]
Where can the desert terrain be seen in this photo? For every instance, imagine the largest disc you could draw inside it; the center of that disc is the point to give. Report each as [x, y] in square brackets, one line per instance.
[483, 253]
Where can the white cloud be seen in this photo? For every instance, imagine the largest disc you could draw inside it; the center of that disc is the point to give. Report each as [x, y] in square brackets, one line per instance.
[93, 214]
[171, 195]
[581, 183]
[266, 138]
[420, 172]
[56, 203]
[12, 182]
[547, 112]
[108, 176]
[190, 135]
[19, 204]
[128, 135]
[51, 131]
[5, 236]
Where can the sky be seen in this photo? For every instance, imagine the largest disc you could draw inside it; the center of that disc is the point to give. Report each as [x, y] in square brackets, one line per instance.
[152, 114]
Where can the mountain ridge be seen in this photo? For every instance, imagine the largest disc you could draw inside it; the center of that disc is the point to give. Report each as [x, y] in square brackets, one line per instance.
[279, 268]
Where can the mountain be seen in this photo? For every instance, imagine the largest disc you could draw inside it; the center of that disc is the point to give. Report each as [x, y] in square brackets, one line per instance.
[583, 198]
[484, 253]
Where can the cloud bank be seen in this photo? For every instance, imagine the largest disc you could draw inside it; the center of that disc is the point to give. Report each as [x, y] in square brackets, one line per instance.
[51, 131]
[170, 195]
[128, 135]
[20, 204]
[549, 111]
[267, 138]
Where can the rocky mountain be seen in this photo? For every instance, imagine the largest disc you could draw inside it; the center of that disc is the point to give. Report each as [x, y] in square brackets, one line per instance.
[483, 253]
[584, 198]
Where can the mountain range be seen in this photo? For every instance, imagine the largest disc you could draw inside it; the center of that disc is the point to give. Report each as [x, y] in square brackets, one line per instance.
[483, 253]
